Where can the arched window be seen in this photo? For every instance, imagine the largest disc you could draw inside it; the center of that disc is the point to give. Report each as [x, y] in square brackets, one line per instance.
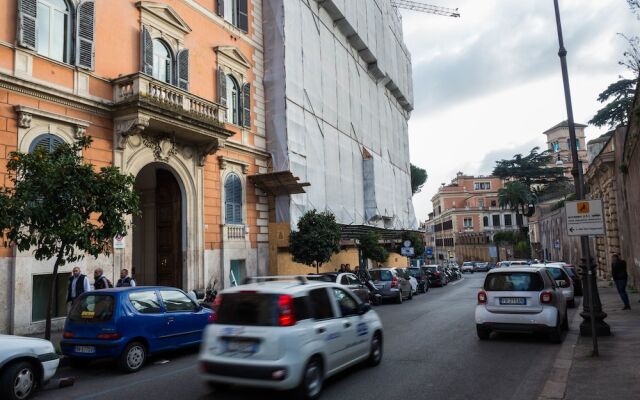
[46, 141]
[485, 221]
[234, 103]
[232, 200]
[53, 29]
[162, 61]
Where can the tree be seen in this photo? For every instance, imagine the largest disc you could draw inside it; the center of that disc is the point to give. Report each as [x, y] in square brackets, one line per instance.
[418, 178]
[532, 169]
[60, 207]
[370, 247]
[516, 197]
[317, 238]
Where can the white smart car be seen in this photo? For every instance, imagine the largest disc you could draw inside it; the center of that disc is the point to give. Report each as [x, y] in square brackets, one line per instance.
[25, 364]
[521, 299]
[288, 334]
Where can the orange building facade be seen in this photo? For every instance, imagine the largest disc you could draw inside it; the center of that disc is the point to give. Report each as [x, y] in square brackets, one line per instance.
[171, 92]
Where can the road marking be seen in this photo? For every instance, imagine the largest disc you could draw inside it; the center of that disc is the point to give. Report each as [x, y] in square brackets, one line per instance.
[458, 281]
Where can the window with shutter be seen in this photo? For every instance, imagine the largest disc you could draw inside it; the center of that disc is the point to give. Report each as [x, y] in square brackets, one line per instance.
[234, 101]
[53, 29]
[222, 87]
[27, 14]
[162, 62]
[233, 200]
[183, 69]
[146, 53]
[85, 47]
[47, 142]
[243, 15]
[246, 105]
[220, 7]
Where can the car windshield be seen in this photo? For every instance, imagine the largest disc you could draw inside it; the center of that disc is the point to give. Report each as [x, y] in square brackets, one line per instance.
[467, 264]
[415, 272]
[250, 309]
[514, 281]
[381, 275]
[323, 278]
[92, 308]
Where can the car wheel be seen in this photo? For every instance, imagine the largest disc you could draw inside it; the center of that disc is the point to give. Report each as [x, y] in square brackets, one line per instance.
[133, 357]
[399, 299]
[555, 335]
[483, 333]
[311, 382]
[425, 288]
[19, 381]
[410, 294]
[375, 353]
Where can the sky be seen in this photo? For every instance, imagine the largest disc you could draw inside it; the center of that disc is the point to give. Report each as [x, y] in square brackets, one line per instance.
[487, 85]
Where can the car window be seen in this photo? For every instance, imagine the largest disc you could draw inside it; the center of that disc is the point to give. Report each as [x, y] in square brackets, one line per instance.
[301, 308]
[353, 280]
[320, 304]
[381, 275]
[145, 302]
[415, 272]
[249, 309]
[557, 273]
[344, 280]
[92, 308]
[514, 281]
[175, 301]
[348, 305]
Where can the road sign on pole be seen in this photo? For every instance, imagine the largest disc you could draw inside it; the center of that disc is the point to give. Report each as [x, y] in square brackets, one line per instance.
[584, 218]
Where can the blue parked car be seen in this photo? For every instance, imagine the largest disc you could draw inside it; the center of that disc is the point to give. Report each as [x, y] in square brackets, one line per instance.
[128, 324]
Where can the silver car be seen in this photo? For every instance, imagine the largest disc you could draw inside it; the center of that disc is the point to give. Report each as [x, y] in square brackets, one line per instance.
[391, 284]
[563, 280]
[521, 299]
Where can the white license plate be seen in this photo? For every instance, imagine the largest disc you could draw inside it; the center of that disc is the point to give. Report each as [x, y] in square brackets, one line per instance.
[237, 346]
[518, 301]
[85, 349]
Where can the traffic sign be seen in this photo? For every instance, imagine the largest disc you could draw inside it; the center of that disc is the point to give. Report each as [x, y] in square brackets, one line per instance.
[584, 218]
[428, 251]
[407, 251]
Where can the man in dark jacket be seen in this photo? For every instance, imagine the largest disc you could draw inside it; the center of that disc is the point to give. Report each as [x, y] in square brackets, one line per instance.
[619, 274]
[125, 280]
[100, 281]
[78, 284]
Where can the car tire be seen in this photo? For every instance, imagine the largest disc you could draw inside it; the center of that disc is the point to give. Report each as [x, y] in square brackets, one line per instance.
[483, 333]
[555, 335]
[18, 381]
[400, 298]
[218, 387]
[571, 303]
[133, 357]
[311, 382]
[410, 294]
[425, 288]
[375, 351]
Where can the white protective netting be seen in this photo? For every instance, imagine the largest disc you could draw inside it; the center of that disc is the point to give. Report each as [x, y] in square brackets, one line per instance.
[325, 109]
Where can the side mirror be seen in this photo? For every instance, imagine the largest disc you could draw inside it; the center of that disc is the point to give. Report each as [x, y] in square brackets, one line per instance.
[363, 308]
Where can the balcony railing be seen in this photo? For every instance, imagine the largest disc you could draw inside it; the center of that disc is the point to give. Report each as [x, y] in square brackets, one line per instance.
[141, 86]
[234, 232]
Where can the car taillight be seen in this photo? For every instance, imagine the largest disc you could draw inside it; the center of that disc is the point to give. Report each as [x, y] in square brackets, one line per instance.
[285, 305]
[216, 306]
[109, 336]
[394, 282]
[482, 297]
[68, 335]
[546, 297]
[211, 318]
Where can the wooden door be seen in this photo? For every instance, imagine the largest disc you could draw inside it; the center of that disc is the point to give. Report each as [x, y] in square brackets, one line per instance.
[168, 230]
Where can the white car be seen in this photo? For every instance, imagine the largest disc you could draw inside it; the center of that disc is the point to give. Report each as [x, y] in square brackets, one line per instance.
[521, 299]
[25, 364]
[468, 266]
[563, 280]
[288, 335]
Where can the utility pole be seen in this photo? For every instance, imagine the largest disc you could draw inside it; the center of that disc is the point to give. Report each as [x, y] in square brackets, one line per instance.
[593, 317]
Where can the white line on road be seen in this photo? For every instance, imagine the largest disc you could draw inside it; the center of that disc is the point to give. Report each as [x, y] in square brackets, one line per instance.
[456, 282]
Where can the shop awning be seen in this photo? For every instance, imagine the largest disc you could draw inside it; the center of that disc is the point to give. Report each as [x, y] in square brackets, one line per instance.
[279, 183]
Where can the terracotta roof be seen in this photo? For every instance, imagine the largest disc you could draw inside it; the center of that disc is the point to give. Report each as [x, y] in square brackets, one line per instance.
[564, 124]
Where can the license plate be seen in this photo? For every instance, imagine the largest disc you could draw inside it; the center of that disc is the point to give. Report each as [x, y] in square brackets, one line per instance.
[518, 301]
[85, 349]
[242, 346]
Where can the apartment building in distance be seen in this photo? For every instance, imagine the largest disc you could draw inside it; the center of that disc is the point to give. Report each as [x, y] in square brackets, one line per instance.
[466, 215]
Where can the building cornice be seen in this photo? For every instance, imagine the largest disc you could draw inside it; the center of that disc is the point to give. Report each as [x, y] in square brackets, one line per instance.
[247, 149]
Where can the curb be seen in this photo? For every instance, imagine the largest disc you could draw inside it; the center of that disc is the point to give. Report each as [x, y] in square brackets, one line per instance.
[556, 385]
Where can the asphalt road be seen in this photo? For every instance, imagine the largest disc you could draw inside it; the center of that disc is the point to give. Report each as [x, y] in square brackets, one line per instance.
[431, 351]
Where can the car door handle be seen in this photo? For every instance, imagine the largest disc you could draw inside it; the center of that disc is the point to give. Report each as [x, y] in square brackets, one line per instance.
[347, 324]
[321, 330]
[170, 320]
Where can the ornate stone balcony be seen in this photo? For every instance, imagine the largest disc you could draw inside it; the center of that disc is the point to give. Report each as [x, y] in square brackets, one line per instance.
[234, 232]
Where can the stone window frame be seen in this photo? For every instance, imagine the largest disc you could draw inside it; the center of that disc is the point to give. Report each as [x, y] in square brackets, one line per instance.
[32, 123]
[231, 62]
[230, 166]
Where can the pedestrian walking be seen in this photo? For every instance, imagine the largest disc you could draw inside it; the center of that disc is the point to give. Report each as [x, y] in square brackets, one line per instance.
[125, 280]
[619, 274]
[100, 281]
[78, 284]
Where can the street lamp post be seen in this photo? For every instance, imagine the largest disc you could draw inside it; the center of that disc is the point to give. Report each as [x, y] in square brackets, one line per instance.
[593, 318]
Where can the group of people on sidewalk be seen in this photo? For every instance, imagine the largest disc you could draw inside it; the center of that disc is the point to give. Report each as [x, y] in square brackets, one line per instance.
[79, 282]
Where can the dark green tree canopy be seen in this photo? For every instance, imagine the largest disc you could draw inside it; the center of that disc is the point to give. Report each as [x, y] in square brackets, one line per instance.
[418, 178]
[317, 238]
[60, 207]
[371, 248]
[619, 99]
[514, 196]
[532, 169]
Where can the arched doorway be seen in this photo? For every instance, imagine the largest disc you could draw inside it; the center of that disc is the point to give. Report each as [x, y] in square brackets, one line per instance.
[158, 231]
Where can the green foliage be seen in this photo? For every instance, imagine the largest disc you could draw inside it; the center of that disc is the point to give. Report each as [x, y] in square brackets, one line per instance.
[371, 248]
[417, 242]
[317, 238]
[504, 237]
[532, 169]
[619, 96]
[418, 178]
[514, 196]
[60, 207]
